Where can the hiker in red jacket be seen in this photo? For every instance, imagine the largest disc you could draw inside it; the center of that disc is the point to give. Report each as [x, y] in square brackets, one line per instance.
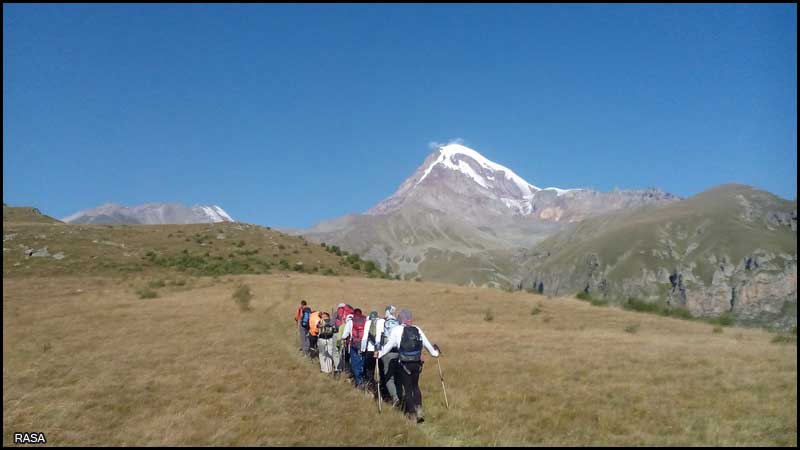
[354, 332]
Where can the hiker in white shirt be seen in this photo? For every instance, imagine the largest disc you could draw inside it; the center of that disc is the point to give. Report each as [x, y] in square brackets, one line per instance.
[373, 329]
[409, 339]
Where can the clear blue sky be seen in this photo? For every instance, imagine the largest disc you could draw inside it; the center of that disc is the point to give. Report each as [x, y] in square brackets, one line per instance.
[286, 115]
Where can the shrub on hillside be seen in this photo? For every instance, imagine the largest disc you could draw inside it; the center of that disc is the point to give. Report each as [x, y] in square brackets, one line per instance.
[147, 293]
[242, 296]
[632, 329]
[536, 310]
[155, 284]
[488, 316]
[583, 295]
[598, 302]
[784, 339]
[725, 319]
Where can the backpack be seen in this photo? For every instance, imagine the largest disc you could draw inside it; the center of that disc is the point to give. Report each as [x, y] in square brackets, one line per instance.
[305, 316]
[358, 331]
[387, 329]
[410, 345]
[373, 330]
[341, 314]
[327, 329]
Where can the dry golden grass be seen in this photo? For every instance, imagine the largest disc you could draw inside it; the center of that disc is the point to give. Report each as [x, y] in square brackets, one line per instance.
[103, 366]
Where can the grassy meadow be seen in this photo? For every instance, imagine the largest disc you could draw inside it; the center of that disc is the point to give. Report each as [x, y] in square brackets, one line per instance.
[88, 361]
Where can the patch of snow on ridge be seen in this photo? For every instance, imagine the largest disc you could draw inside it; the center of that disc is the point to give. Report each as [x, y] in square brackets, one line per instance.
[560, 192]
[465, 168]
[223, 213]
[215, 213]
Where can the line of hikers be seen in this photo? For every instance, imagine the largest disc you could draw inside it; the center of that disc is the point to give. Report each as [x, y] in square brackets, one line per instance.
[353, 344]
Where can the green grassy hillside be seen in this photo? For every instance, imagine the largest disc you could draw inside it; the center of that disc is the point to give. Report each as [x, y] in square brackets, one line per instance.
[25, 214]
[712, 234]
[196, 249]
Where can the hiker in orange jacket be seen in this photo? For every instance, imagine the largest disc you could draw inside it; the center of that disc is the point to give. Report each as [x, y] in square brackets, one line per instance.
[313, 332]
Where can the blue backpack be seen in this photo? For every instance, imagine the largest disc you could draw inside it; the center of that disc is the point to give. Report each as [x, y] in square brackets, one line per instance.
[306, 315]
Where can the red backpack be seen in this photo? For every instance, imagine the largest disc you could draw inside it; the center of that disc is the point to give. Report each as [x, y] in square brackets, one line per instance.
[341, 314]
[358, 331]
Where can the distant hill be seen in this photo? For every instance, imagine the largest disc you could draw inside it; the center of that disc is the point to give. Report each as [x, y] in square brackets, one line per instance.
[25, 214]
[150, 214]
[50, 248]
[731, 249]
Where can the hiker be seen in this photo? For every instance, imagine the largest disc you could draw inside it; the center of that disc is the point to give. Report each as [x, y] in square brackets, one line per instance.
[342, 311]
[388, 363]
[326, 343]
[313, 320]
[301, 317]
[344, 353]
[373, 329]
[409, 339]
[353, 333]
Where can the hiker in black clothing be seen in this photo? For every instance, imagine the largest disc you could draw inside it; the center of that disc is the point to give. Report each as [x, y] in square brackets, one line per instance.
[409, 339]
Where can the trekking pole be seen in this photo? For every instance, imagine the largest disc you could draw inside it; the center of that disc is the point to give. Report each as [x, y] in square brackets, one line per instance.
[380, 400]
[443, 388]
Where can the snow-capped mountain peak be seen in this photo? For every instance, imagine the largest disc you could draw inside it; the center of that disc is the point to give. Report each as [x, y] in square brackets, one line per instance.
[451, 157]
[151, 214]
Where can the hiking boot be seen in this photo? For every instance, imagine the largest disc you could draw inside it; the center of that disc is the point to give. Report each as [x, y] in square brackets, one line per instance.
[420, 415]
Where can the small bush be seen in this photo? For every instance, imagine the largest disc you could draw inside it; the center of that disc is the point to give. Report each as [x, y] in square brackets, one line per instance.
[634, 304]
[717, 329]
[680, 313]
[242, 297]
[536, 310]
[46, 347]
[155, 284]
[598, 302]
[784, 338]
[632, 329]
[147, 293]
[488, 316]
[725, 319]
[583, 295]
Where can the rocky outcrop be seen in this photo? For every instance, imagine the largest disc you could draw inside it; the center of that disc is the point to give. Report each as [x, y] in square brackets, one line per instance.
[759, 289]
